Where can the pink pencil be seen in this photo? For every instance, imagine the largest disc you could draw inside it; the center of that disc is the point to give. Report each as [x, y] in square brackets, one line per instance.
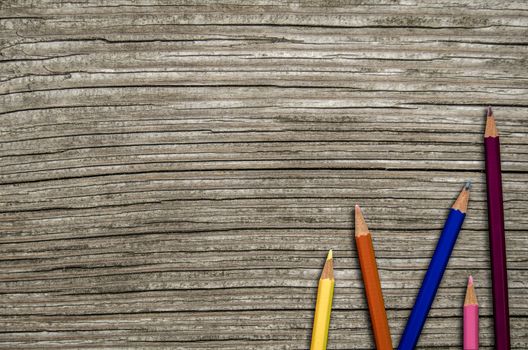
[471, 318]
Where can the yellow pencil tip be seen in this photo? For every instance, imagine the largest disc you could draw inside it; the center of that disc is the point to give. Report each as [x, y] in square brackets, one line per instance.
[330, 255]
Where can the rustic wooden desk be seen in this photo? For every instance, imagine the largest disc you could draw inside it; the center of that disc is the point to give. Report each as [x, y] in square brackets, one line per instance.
[172, 176]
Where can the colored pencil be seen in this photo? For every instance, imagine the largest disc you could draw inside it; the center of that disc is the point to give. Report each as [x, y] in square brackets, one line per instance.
[434, 273]
[369, 271]
[499, 277]
[471, 318]
[323, 306]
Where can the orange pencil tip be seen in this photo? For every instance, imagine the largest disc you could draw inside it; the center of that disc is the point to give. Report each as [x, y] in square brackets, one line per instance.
[361, 226]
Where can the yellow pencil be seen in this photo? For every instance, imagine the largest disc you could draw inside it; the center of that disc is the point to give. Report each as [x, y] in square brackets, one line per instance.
[323, 306]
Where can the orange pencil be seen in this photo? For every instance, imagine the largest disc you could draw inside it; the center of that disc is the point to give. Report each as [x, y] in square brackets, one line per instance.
[369, 270]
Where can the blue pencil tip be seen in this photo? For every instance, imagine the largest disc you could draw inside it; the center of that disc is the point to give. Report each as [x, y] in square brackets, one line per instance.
[468, 185]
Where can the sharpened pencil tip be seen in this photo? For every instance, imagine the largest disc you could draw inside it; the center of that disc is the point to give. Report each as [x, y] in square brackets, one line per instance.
[471, 296]
[491, 127]
[461, 202]
[328, 268]
[360, 224]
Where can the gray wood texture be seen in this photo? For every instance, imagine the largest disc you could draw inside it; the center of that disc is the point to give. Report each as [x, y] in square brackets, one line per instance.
[173, 173]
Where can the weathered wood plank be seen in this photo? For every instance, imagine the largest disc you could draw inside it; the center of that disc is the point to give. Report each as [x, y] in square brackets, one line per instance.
[172, 175]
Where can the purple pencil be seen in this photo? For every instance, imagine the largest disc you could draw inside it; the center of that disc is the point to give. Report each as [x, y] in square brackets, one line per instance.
[499, 275]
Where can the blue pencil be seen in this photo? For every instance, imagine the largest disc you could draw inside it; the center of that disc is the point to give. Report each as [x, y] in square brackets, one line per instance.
[434, 273]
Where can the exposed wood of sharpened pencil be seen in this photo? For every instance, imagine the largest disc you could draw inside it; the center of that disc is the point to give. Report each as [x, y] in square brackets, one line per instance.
[471, 296]
[461, 202]
[491, 126]
[361, 228]
[328, 269]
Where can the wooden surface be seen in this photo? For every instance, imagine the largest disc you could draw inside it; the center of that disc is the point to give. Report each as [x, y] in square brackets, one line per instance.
[172, 176]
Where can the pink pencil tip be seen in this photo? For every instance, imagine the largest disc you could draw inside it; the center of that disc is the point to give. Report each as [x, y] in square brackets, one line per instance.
[470, 280]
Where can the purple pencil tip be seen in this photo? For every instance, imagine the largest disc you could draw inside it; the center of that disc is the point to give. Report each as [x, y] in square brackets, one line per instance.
[490, 111]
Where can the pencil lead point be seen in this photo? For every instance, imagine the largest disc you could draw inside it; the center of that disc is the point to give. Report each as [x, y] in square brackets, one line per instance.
[330, 255]
[490, 112]
[470, 280]
[467, 186]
